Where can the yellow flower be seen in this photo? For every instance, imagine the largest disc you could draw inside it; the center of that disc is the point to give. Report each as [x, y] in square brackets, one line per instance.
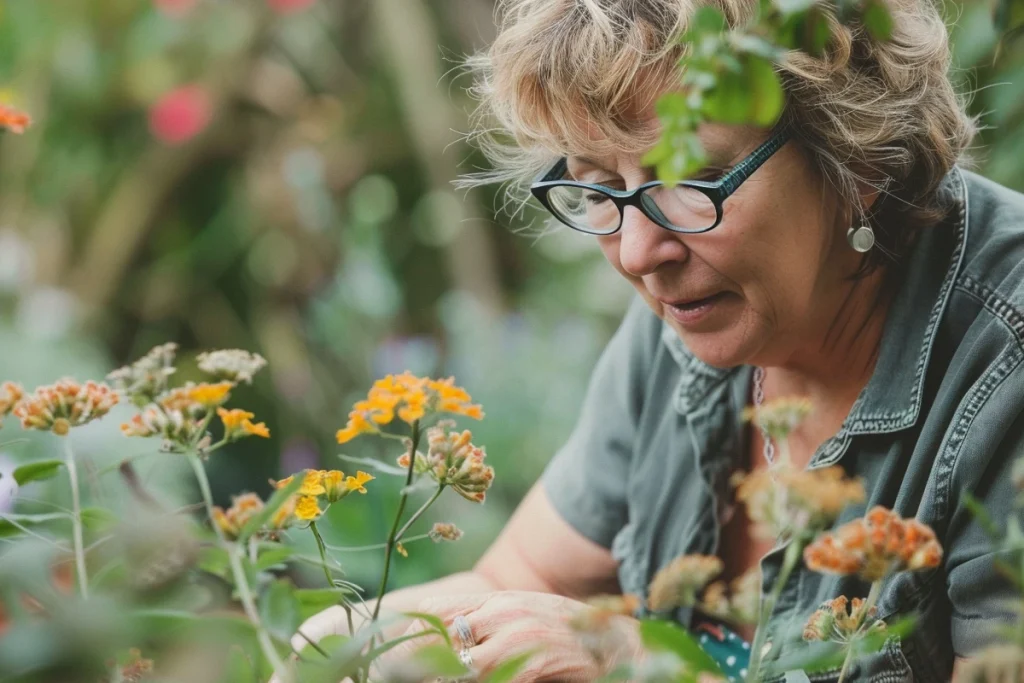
[210, 395]
[453, 399]
[312, 483]
[257, 429]
[242, 509]
[284, 515]
[283, 482]
[226, 524]
[233, 419]
[677, 583]
[307, 509]
[357, 483]
[334, 485]
[357, 424]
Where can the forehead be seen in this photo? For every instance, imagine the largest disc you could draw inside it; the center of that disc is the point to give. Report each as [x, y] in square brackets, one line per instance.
[721, 143]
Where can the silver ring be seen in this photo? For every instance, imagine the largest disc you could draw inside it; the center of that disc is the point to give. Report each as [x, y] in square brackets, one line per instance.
[466, 658]
[465, 633]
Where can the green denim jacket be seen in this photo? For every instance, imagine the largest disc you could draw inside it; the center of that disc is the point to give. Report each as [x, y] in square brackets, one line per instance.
[645, 472]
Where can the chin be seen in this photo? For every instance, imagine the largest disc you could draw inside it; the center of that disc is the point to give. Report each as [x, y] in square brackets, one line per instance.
[724, 349]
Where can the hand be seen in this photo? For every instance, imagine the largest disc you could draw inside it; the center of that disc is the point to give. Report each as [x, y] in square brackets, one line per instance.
[507, 623]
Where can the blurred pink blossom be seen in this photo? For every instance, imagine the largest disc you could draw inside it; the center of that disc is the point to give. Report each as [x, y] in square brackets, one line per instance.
[175, 8]
[180, 115]
[289, 6]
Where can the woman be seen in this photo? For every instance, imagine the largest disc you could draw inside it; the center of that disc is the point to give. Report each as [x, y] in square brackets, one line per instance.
[851, 260]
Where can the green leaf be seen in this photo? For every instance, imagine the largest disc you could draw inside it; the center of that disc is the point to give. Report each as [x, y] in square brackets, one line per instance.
[98, 519]
[375, 465]
[981, 516]
[665, 635]
[757, 45]
[706, 20]
[315, 600]
[434, 621]
[787, 7]
[34, 471]
[258, 520]
[272, 556]
[10, 523]
[766, 95]
[441, 660]
[239, 667]
[877, 20]
[507, 670]
[214, 560]
[279, 609]
[729, 101]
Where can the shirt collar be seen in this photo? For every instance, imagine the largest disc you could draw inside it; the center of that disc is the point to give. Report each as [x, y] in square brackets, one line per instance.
[892, 398]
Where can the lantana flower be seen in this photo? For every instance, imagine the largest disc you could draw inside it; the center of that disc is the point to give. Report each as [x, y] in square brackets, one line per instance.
[840, 619]
[783, 499]
[307, 508]
[13, 120]
[242, 509]
[233, 365]
[677, 583]
[452, 460]
[238, 424]
[10, 394]
[210, 395]
[65, 404]
[333, 484]
[146, 378]
[173, 425]
[875, 546]
[408, 397]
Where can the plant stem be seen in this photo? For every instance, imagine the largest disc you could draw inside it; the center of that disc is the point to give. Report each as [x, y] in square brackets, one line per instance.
[389, 548]
[238, 572]
[376, 546]
[876, 590]
[323, 553]
[768, 606]
[76, 519]
[416, 515]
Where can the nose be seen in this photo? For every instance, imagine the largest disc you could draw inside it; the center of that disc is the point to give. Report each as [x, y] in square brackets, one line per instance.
[644, 245]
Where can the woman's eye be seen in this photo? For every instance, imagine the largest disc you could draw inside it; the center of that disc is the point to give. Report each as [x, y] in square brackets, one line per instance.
[596, 198]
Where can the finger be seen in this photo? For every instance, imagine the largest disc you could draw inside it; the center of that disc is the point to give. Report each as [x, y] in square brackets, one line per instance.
[489, 655]
[447, 607]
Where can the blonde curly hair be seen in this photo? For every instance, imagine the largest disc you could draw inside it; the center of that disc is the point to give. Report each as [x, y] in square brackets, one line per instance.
[570, 77]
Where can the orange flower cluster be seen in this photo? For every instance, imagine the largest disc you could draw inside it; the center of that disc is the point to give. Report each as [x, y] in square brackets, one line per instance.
[332, 484]
[452, 460]
[64, 405]
[243, 508]
[875, 546]
[13, 120]
[840, 619]
[410, 398]
[784, 499]
[10, 394]
[739, 604]
[677, 583]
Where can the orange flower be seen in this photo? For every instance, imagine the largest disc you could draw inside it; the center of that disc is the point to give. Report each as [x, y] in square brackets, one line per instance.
[307, 509]
[255, 429]
[875, 546]
[10, 394]
[334, 485]
[834, 622]
[65, 404]
[14, 120]
[242, 509]
[210, 395]
[357, 483]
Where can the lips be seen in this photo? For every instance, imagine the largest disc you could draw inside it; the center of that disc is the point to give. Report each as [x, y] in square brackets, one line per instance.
[692, 302]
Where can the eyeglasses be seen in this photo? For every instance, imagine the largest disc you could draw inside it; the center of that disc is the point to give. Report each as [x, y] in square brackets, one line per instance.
[691, 206]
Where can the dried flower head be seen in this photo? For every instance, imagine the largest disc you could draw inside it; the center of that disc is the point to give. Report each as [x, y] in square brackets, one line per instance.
[64, 405]
[13, 120]
[146, 378]
[444, 531]
[10, 394]
[452, 460]
[784, 500]
[739, 604]
[839, 620]
[677, 583]
[593, 624]
[995, 664]
[408, 397]
[779, 417]
[242, 509]
[875, 546]
[233, 365]
[238, 424]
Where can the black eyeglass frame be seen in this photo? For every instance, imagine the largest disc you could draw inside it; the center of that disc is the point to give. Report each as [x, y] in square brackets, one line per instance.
[717, 190]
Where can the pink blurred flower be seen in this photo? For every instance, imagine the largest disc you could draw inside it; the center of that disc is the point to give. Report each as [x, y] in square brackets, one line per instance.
[180, 115]
[174, 8]
[289, 6]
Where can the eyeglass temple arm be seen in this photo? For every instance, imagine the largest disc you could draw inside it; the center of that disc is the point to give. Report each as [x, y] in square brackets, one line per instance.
[556, 172]
[745, 168]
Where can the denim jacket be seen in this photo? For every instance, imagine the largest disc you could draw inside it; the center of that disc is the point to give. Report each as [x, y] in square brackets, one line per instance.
[645, 472]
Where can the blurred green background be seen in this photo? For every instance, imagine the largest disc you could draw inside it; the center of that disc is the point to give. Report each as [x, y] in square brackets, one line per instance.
[276, 175]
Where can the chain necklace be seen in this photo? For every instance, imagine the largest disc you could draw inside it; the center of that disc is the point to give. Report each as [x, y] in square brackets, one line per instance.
[769, 445]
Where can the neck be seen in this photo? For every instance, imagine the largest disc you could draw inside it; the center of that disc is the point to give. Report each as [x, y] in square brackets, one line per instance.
[834, 364]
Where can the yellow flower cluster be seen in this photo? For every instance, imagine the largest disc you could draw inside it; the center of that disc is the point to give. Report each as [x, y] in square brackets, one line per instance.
[783, 499]
[64, 405]
[875, 546]
[410, 398]
[840, 619]
[677, 583]
[10, 394]
[452, 460]
[332, 484]
[243, 508]
[740, 602]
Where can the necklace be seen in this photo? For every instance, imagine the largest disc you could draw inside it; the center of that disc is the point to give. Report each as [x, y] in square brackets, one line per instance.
[769, 445]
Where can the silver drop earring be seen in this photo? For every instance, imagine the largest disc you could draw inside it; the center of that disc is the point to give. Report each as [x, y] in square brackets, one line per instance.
[861, 239]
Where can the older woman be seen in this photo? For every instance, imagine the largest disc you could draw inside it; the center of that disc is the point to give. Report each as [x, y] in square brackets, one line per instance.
[842, 256]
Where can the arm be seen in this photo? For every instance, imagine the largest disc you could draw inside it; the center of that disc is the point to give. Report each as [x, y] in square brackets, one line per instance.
[537, 551]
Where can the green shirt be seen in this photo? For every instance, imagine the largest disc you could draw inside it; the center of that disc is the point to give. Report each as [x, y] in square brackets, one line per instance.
[645, 472]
